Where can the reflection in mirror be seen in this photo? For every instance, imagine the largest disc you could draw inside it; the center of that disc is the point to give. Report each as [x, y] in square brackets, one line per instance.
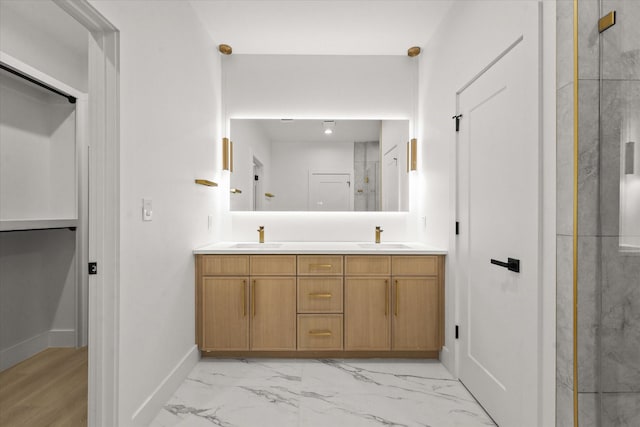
[319, 165]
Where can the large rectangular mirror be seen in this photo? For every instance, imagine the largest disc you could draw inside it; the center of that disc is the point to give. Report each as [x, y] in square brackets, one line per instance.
[319, 165]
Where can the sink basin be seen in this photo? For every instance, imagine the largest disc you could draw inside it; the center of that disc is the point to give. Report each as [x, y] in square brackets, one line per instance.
[257, 245]
[383, 246]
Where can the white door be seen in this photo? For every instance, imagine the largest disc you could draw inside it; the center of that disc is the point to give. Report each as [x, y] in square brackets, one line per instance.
[391, 181]
[330, 192]
[498, 200]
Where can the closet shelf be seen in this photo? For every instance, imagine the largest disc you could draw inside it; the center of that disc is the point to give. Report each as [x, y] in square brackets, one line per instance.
[36, 224]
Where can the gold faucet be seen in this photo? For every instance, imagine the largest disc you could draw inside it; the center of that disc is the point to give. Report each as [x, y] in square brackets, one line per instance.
[378, 231]
[261, 231]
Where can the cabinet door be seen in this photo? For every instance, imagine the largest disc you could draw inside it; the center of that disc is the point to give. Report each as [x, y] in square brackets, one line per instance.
[225, 313]
[367, 313]
[273, 313]
[415, 313]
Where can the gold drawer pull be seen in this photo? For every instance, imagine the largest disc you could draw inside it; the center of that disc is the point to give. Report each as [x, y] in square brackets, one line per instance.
[244, 298]
[320, 333]
[320, 295]
[321, 266]
[386, 297]
[397, 299]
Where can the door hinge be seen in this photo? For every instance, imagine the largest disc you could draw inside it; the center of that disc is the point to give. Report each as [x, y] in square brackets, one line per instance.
[457, 332]
[93, 268]
[457, 119]
[457, 228]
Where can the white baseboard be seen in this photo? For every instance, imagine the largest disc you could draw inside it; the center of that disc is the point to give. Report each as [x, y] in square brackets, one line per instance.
[446, 358]
[62, 338]
[153, 404]
[23, 350]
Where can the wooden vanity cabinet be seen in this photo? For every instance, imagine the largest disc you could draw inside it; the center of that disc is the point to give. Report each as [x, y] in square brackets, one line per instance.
[273, 302]
[222, 299]
[418, 309]
[367, 303]
[342, 305]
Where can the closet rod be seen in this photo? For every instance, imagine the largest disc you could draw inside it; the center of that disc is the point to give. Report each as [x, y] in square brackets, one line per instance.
[71, 99]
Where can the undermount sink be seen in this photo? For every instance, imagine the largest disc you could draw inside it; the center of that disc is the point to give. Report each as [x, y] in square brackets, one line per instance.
[257, 245]
[383, 246]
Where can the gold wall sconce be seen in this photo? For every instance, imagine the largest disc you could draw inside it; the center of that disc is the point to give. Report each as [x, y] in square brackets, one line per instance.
[412, 155]
[225, 49]
[227, 155]
[206, 183]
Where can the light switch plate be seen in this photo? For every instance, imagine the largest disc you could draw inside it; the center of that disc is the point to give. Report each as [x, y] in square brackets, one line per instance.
[147, 210]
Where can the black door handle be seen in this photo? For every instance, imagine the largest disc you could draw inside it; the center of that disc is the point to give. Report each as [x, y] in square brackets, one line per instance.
[512, 264]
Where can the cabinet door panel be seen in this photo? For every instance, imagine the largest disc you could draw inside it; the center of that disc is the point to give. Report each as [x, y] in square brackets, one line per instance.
[415, 313]
[273, 313]
[367, 313]
[225, 313]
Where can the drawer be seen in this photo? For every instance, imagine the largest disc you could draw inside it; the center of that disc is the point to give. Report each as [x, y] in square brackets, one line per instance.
[414, 265]
[319, 331]
[355, 265]
[320, 295]
[224, 265]
[273, 265]
[319, 265]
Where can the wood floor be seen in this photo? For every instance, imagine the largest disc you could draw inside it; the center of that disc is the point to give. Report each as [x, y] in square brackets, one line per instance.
[49, 389]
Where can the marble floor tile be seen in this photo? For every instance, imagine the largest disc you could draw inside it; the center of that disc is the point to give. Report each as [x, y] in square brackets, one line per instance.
[310, 392]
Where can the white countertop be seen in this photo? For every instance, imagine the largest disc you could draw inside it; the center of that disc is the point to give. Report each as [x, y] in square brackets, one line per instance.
[347, 248]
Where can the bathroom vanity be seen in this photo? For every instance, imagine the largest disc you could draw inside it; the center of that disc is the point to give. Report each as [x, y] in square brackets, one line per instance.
[319, 300]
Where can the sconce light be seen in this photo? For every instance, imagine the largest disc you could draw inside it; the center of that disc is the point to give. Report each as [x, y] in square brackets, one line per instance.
[629, 158]
[328, 126]
[227, 155]
[412, 158]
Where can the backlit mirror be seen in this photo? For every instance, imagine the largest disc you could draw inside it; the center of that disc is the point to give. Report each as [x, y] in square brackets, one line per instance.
[319, 165]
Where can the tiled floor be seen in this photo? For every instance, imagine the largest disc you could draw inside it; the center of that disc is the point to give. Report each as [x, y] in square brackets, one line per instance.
[322, 393]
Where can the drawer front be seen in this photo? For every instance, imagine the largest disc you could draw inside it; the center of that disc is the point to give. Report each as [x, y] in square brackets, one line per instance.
[319, 331]
[224, 265]
[414, 265]
[367, 265]
[320, 295]
[309, 265]
[273, 265]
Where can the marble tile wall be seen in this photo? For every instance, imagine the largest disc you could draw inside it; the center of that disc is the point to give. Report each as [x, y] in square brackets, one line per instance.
[608, 279]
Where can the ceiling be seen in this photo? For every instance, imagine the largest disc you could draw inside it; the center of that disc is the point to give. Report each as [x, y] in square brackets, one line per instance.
[313, 130]
[321, 27]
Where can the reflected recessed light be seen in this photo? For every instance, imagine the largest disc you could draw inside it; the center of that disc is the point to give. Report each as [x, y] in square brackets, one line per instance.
[328, 126]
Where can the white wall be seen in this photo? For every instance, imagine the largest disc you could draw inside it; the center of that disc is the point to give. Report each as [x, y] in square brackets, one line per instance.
[292, 162]
[45, 47]
[37, 292]
[462, 46]
[249, 141]
[170, 135]
[338, 87]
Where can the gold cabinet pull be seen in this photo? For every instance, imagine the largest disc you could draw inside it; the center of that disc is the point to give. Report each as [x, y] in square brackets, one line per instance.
[320, 295]
[253, 298]
[386, 297]
[321, 266]
[244, 298]
[320, 333]
[396, 297]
